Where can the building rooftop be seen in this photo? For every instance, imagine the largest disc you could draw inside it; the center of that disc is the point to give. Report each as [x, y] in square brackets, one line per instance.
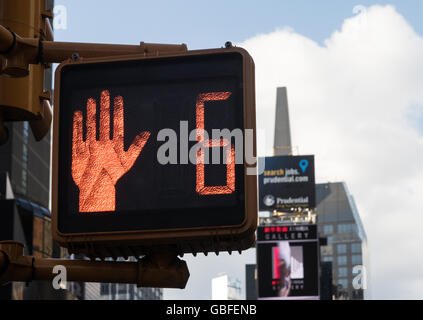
[336, 204]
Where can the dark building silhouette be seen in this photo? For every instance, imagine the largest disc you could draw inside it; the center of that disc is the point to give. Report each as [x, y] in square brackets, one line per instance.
[326, 284]
[338, 220]
[251, 281]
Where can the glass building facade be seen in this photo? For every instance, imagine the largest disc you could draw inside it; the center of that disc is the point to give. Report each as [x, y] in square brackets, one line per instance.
[120, 291]
[339, 222]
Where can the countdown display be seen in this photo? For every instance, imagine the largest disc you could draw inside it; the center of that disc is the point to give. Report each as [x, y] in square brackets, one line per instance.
[133, 146]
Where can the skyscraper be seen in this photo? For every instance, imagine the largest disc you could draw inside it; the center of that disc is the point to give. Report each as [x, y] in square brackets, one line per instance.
[338, 220]
[282, 143]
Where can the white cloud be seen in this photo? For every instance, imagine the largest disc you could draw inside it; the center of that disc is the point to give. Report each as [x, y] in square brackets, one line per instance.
[350, 101]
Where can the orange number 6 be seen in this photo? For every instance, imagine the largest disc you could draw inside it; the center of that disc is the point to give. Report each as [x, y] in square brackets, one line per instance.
[213, 143]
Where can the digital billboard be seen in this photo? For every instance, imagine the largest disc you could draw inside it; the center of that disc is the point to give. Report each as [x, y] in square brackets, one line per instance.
[287, 262]
[287, 182]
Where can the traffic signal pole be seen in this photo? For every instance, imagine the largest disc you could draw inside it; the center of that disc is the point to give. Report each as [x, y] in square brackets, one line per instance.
[19, 52]
[160, 270]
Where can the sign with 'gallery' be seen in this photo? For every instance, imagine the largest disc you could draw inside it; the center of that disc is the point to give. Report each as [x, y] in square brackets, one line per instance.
[288, 262]
[287, 182]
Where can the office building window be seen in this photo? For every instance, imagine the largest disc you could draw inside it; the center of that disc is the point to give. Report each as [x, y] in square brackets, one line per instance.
[346, 228]
[356, 248]
[330, 240]
[341, 248]
[342, 260]
[131, 292]
[104, 289]
[122, 288]
[24, 178]
[328, 229]
[24, 157]
[140, 294]
[26, 130]
[356, 259]
[342, 272]
[343, 283]
[113, 290]
[327, 259]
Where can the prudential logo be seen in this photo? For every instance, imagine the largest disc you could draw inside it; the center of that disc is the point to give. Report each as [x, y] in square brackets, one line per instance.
[269, 200]
[303, 165]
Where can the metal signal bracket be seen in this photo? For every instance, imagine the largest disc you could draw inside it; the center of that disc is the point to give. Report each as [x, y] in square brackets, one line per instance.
[18, 53]
[159, 270]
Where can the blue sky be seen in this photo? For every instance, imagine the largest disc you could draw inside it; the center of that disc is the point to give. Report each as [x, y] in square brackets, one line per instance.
[207, 24]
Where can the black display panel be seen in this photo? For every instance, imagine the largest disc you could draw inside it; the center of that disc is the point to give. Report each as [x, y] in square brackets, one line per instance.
[110, 177]
[287, 262]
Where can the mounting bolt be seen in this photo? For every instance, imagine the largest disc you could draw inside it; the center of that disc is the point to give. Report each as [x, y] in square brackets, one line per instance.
[228, 44]
[75, 56]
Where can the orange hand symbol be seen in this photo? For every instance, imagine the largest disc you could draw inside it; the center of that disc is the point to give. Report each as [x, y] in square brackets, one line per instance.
[98, 164]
